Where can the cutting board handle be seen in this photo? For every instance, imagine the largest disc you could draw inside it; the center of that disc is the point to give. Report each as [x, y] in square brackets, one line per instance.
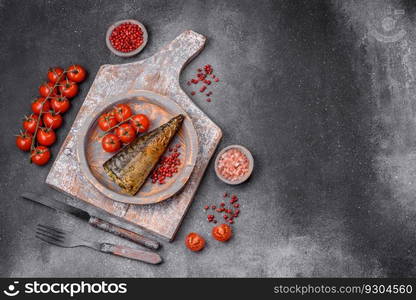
[167, 64]
[181, 50]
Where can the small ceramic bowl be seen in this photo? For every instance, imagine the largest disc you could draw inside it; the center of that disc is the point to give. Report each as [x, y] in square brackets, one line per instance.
[125, 54]
[250, 164]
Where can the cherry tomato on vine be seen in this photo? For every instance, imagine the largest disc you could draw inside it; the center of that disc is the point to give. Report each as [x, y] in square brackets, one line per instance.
[140, 122]
[60, 104]
[52, 120]
[47, 89]
[107, 121]
[68, 88]
[122, 112]
[55, 74]
[46, 136]
[126, 133]
[29, 123]
[40, 155]
[37, 105]
[194, 242]
[76, 73]
[24, 141]
[111, 143]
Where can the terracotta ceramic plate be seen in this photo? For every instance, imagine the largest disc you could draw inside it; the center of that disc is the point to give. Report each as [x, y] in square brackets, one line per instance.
[160, 110]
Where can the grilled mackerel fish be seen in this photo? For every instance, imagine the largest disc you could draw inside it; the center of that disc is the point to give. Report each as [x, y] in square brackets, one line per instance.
[130, 167]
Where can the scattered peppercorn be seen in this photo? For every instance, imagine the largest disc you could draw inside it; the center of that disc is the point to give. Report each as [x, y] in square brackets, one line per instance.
[203, 88]
[168, 166]
[228, 213]
[202, 76]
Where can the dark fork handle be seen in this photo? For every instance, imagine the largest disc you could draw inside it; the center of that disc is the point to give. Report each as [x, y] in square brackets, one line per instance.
[145, 256]
[114, 229]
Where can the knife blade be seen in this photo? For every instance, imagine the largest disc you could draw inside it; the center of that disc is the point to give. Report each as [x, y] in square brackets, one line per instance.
[92, 220]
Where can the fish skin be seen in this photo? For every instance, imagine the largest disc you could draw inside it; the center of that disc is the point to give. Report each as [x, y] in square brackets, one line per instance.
[130, 167]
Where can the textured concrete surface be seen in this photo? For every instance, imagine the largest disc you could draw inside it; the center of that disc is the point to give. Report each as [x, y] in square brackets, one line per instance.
[322, 92]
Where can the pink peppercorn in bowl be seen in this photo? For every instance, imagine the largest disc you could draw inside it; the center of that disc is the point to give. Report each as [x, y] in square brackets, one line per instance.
[234, 164]
[126, 42]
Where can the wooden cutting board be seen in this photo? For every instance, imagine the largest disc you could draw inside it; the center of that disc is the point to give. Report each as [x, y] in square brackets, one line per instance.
[160, 74]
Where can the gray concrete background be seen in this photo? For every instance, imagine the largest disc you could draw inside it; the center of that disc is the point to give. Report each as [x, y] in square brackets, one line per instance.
[320, 91]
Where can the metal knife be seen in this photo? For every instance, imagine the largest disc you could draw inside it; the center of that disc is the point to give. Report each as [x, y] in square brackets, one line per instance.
[94, 221]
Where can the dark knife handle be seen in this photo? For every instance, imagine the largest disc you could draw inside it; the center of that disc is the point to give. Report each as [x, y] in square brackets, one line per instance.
[145, 256]
[114, 229]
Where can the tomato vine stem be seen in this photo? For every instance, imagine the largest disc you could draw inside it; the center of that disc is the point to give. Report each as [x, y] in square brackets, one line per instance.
[115, 126]
[56, 84]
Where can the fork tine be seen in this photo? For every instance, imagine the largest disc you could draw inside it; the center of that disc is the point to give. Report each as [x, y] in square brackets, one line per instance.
[50, 241]
[48, 235]
[50, 232]
[51, 228]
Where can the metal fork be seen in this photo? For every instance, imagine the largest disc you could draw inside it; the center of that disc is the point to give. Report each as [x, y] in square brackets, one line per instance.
[62, 238]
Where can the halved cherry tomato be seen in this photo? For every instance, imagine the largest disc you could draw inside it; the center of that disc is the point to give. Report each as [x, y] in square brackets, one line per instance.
[111, 143]
[222, 232]
[60, 104]
[122, 112]
[76, 73]
[47, 89]
[29, 124]
[37, 105]
[68, 88]
[126, 133]
[107, 121]
[55, 74]
[140, 122]
[46, 136]
[24, 141]
[194, 242]
[52, 120]
[40, 155]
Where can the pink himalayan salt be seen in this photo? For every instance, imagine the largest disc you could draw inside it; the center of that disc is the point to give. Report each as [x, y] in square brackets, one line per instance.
[233, 164]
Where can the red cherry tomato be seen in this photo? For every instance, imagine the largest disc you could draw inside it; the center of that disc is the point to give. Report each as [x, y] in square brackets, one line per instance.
[76, 73]
[107, 121]
[122, 112]
[222, 232]
[68, 88]
[140, 122]
[29, 124]
[37, 105]
[111, 143]
[40, 155]
[52, 120]
[24, 141]
[47, 89]
[194, 242]
[126, 133]
[46, 136]
[60, 104]
[55, 74]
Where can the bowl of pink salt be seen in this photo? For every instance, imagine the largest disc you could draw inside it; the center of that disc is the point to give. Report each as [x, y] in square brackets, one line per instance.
[234, 164]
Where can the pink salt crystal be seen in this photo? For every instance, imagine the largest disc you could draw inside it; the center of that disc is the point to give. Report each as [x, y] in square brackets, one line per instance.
[233, 164]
